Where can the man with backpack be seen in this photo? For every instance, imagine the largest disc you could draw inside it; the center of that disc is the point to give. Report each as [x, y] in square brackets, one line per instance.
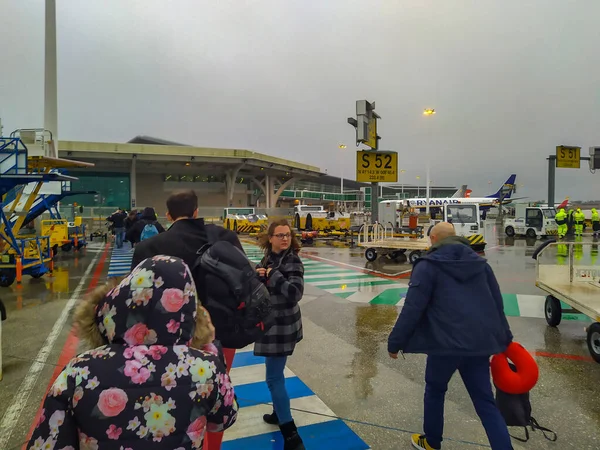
[227, 284]
[145, 227]
[118, 222]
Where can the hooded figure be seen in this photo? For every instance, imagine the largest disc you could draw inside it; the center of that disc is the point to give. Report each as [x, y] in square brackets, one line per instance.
[595, 222]
[148, 217]
[561, 221]
[579, 220]
[145, 388]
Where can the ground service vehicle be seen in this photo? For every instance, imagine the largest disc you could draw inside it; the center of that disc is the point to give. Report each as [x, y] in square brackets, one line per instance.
[244, 220]
[315, 217]
[570, 283]
[465, 219]
[531, 221]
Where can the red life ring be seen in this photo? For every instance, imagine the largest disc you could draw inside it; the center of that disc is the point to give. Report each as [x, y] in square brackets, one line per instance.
[521, 381]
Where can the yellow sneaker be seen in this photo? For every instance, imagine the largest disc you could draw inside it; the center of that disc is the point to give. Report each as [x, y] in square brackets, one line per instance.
[419, 442]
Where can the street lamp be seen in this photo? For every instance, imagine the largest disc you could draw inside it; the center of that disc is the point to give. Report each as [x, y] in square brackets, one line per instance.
[418, 187]
[402, 182]
[428, 112]
[342, 147]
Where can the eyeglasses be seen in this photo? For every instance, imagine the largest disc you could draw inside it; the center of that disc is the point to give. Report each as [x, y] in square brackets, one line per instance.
[283, 235]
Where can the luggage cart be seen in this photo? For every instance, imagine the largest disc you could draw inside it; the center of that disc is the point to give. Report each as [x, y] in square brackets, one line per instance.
[563, 275]
[379, 240]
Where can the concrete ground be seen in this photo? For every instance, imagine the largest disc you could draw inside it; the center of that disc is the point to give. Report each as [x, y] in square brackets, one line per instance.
[343, 357]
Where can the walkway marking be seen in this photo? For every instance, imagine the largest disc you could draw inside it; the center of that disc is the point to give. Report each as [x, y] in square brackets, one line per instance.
[13, 412]
[357, 285]
[316, 422]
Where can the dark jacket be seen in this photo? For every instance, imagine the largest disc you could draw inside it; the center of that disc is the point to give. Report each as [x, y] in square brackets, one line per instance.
[146, 388]
[148, 218]
[118, 219]
[453, 306]
[286, 286]
[183, 240]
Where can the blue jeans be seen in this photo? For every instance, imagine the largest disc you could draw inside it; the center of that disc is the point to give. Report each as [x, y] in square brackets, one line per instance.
[276, 382]
[119, 235]
[475, 373]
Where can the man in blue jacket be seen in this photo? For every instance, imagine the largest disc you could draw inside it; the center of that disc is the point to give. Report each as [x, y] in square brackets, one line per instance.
[454, 314]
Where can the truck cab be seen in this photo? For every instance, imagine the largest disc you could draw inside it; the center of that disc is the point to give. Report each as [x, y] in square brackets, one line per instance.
[244, 220]
[532, 221]
[465, 218]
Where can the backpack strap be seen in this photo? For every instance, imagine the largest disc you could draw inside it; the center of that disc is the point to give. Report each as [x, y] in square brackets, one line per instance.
[521, 439]
[536, 426]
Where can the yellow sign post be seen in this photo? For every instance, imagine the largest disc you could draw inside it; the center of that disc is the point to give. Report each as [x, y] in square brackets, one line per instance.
[568, 157]
[374, 167]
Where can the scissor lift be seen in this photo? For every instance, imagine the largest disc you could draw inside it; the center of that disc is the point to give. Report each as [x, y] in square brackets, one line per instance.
[30, 255]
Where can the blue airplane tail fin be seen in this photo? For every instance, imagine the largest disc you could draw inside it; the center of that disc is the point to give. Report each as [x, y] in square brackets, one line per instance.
[506, 189]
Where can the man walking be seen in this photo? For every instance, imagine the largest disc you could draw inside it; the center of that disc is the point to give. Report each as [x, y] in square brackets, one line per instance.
[454, 314]
[118, 221]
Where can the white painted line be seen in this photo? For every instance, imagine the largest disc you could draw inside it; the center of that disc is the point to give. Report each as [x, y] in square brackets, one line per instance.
[13, 412]
[252, 374]
[250, 422]
[348, 275]
[531, 305]
[320, 258]
[370, 281]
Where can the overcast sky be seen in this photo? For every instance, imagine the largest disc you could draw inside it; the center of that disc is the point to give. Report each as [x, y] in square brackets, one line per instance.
[509, 79]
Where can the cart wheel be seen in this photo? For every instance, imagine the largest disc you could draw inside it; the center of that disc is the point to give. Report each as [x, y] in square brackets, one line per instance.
[510, 231]
[531, 233]
[398, 254]
[593, 341]
[414, 255]
[37, 274]
[371, 254]
[7, 277]
[552, 311]
[66, 247]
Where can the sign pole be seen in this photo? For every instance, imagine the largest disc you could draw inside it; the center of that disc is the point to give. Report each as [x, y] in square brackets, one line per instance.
[375, 193]
[551, 179]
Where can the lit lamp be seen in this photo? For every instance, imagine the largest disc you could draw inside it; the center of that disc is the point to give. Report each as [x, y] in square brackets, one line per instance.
[342, 147]
[428, 112]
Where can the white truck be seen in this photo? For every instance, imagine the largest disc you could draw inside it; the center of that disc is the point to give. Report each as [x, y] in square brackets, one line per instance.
[531, 221]
[466, 221]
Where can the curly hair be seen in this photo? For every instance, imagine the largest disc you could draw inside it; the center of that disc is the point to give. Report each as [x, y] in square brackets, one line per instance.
[265, 244]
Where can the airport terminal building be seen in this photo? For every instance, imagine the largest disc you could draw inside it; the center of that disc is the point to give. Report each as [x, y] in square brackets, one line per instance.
[145, 171]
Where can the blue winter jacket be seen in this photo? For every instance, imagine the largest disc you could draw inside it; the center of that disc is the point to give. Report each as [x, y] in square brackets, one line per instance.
[453, 306]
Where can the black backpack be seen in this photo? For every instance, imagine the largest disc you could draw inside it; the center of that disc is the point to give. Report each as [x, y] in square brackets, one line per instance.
[516, 410]
[231, 291]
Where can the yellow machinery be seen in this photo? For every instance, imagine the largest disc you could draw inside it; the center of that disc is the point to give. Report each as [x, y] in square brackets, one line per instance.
[310, 217]
[244, 220]
[21, 181]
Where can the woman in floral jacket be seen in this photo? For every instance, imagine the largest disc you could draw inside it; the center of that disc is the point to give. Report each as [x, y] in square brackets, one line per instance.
[146, 387]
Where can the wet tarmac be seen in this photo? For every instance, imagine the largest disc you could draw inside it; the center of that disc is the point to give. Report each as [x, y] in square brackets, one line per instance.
[348, 310]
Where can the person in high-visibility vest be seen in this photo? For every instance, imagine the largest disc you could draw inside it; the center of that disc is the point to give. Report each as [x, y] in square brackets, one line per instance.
[561, 221]
[579, 219]
[595, 222]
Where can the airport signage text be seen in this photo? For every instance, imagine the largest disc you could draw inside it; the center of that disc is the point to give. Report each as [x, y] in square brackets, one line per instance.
[568, 157]
[374, 167]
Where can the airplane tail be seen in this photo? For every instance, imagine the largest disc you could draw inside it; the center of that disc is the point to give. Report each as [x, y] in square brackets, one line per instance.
[461, 193]
[506, 189]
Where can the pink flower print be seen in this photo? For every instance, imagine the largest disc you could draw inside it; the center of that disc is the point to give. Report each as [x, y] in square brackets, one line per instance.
[168, 381]
[42, 418]
[112, 402]
[173, 326]
[87, 443]
[141, 296]
[139, 334]
[228, 397]
[135, 371]
[173, 300]
[77, 395]
[113, 432]
[196, 430]
[156, 351]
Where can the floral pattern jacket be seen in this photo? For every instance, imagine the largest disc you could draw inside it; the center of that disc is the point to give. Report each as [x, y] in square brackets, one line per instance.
[145, 389]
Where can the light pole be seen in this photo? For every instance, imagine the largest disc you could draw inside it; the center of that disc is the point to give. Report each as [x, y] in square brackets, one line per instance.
[418, 187]
[342, 147]
[402, 182]
[427, 112]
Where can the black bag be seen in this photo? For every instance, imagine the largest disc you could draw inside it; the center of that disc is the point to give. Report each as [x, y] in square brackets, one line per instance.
[516, 410]
[238, 303]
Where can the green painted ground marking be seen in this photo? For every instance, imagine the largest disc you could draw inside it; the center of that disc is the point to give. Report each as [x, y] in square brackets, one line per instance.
[344, 294]
[511, 305]
[389, 296]
[379, 282]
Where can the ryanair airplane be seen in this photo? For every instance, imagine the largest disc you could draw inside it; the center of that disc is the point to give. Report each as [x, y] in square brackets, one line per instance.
[485, 203]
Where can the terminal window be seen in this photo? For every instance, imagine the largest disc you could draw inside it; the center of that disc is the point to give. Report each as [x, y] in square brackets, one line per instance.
[112, 189]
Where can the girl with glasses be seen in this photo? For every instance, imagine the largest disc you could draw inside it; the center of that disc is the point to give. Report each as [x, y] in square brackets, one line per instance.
[283, 273]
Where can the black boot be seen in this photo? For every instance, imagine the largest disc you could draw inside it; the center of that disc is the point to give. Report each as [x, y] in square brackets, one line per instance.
[291, 438]
[271, 419]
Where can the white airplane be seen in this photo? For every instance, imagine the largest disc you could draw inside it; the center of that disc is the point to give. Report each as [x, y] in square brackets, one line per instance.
[485, 203]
